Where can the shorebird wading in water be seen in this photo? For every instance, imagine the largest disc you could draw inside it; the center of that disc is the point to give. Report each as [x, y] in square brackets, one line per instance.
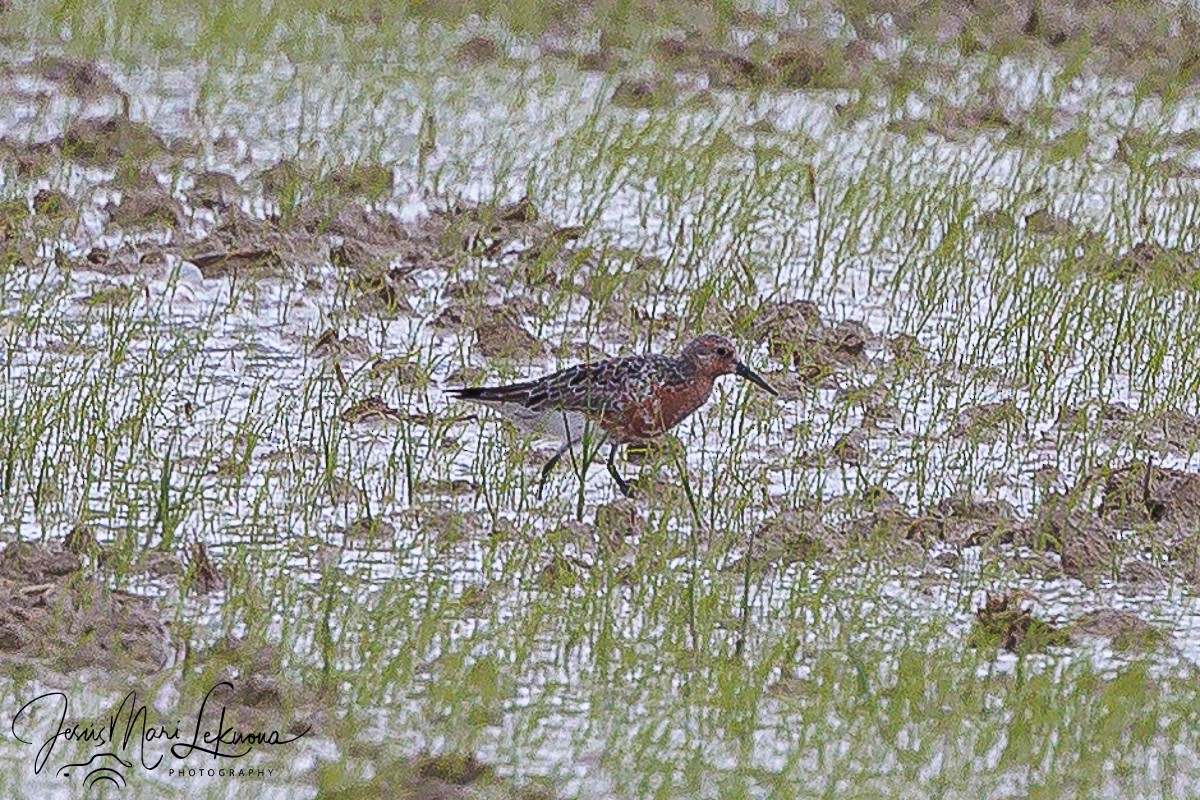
[633, 400]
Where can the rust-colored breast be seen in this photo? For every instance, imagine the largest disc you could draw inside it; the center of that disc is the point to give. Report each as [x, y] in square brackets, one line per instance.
[662, 410]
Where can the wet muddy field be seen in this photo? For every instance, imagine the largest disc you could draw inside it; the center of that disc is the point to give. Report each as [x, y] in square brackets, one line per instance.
[244, 252]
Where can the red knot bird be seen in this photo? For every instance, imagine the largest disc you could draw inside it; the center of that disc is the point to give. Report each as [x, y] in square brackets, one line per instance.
[633, 400]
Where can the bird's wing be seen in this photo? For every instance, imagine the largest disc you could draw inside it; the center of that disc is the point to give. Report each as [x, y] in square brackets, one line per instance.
[600, 387]
[592, 388]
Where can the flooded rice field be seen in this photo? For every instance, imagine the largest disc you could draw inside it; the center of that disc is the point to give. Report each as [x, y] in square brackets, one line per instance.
[250, 545]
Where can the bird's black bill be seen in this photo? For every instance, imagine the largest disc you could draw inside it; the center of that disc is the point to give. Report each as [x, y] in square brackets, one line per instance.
[742, 371]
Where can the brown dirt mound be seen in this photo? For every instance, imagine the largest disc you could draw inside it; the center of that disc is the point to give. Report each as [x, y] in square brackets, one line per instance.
[1126, 629]
[1085, 542]
[103, 142]
[214, 190]
[372, 411]
[795, 61]
[619, 520]
[885, 531]
[797, 536]
[987, 422]
[452, 775]
[82, 78]
[1150, 259]
[243, 246]
[146, 207]
[1002, 622]
[1135, 38]
[379, 253]
[1044, 222]
[503, 337]
[52, 612]
[261, 693]
[966, 521]
[1136, 493]
[796, 334]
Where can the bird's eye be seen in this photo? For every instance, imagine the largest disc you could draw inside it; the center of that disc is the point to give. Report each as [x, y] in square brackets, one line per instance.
[722, 351]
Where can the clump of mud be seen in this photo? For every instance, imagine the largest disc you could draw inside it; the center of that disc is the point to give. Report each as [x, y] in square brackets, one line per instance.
[503, 337]
[986, 422]
[1045, 222]
[619, 521]
[83, 79]
[515, 244]
[372, 411]
[1002, 622]
[479, 50]
[793, 536]
[1136, 492]
[1151, 261]
[292, 180]
[960, 123]
[147, 206]
[837, 46]
[331, 344]
[1140, 531]
[1172, 430]
[642, 93]
[443, 776]
[884, 532]
[1135, 40]
[109, 141]
[245, 247]
[368, 528]
[259, 691]
[964, 521]
[793, 60]
[200, 571]
[53, 612]
[1125, 629]
[561, 572]
[796, 334]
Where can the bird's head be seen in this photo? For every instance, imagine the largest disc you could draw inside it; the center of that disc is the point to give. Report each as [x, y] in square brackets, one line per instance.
[714, 355]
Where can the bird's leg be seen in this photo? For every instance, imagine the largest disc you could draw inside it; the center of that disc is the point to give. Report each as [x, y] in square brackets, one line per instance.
[549, 466]
[622, 484]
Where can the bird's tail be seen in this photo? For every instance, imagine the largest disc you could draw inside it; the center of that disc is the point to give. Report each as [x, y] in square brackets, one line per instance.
[513, 393]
